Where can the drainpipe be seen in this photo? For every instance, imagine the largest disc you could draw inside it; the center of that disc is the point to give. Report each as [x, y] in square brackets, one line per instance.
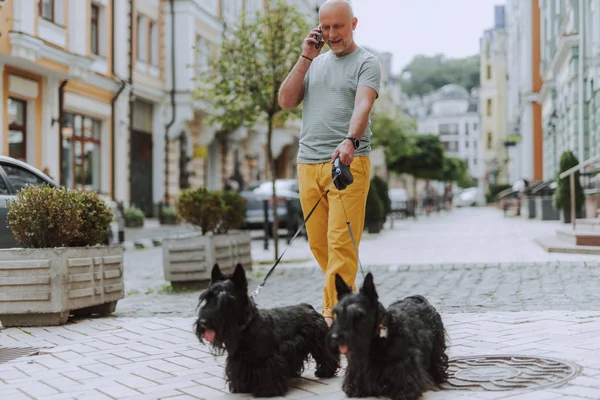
[173, 109]
[61, 101]
[581, 60]
[112, 105]
[131, 96]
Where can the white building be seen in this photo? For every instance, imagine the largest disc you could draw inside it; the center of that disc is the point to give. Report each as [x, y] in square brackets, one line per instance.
[524, 83]
[451, 112]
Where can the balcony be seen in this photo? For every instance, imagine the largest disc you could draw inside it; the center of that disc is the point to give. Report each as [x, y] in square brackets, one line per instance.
[30, 48]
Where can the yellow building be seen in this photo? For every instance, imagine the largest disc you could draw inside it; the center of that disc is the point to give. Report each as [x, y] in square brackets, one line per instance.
[57, 88]
[493, 102]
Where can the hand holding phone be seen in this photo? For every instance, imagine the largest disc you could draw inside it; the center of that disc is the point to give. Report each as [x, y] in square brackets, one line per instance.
[313, 43]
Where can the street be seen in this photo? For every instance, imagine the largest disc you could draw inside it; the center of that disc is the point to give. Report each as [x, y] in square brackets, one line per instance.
[498, 293]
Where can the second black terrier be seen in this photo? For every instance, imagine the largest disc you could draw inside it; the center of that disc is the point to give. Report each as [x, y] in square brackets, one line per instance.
[265, 348]
[398, 352]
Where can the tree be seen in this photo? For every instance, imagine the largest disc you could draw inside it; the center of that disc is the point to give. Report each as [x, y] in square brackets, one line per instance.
[425, 74]
[243, 81]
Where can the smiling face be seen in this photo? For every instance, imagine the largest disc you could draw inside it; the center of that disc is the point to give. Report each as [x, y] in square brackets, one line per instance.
[337, 24]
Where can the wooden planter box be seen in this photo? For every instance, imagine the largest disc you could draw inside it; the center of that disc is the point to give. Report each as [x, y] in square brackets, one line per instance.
[190, 258]
[40, 287]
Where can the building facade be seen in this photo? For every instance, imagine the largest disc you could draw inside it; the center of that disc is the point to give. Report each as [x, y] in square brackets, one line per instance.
[524, 112]
[451, 112]
[493, 102]
[58, 88]
[98, 93]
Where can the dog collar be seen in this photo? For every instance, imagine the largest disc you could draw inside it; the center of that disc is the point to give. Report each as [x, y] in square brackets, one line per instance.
[383, 330]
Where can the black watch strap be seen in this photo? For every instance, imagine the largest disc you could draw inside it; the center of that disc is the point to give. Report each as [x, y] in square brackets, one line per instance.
[355, 141]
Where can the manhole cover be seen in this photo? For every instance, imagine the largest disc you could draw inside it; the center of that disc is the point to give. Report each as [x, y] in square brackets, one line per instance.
[504, 372]
[11, 353]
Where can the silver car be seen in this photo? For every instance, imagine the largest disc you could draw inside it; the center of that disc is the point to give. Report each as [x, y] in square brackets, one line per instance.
[16, 175]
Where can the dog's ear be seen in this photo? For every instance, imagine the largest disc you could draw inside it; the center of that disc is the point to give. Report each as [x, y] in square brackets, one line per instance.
[239, 277]
[216, 274]
[341, 287]
[368, 287]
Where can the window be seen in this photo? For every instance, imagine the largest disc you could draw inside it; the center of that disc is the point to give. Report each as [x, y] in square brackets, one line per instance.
[47, 9]
[81, 153]
[21, 178]
[95, 26]
[488, 73]
[489, 107]
[142, 38]
[489, 140]
[3, 187]
[17, 128]
[153, 57]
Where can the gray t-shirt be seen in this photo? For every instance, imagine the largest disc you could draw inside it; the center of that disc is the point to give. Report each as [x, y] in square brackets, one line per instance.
[330, 89]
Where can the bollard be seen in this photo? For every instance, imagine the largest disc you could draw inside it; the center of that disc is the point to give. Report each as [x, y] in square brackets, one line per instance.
[266, 213]
[121, 221]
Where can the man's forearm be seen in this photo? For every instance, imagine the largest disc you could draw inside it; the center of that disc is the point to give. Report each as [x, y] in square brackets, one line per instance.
[359, 120]
[291, 92]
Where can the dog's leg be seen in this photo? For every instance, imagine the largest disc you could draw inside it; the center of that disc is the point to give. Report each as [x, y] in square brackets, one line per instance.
[328, 361]
[265, 379]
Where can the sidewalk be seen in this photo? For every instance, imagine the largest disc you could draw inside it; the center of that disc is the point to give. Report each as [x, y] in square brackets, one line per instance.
[159, 358]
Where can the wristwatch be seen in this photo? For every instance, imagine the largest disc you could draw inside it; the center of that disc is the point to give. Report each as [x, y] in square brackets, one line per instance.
[355, 141]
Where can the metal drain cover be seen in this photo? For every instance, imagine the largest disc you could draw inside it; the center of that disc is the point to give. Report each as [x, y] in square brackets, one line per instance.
[11, 353]
[508, 372]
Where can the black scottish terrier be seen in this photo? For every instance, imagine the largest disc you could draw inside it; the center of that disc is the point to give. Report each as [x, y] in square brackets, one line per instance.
[398, 352]
[265, 348]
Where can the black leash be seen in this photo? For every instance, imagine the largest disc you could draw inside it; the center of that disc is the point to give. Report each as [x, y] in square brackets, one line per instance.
[257, 290]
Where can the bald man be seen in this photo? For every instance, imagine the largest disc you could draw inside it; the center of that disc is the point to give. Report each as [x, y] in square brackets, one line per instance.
[338, 89]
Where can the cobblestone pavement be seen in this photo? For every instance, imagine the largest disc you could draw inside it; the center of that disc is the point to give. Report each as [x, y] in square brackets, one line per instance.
[497, 291]
[478, 261]
[159, 358]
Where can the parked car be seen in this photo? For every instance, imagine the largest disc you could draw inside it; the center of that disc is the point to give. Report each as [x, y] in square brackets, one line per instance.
[16, 175]
[469, 197]
[287, 191]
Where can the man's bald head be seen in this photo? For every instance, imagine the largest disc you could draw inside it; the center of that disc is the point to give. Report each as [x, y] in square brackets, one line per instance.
[335, 5]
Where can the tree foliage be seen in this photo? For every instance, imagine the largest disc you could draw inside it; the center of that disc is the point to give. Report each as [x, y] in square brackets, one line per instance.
[243, 80]
[425, 74]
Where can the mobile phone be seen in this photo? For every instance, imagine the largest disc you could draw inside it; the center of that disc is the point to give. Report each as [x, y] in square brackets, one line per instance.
[319, 39]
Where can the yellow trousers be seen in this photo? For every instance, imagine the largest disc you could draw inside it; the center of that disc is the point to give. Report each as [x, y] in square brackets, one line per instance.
[327, 231]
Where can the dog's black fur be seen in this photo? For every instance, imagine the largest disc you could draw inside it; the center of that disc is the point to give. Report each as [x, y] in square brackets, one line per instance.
[265, 348]
[398, 352]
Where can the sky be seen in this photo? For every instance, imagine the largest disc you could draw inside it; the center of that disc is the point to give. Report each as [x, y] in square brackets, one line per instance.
[410, 27]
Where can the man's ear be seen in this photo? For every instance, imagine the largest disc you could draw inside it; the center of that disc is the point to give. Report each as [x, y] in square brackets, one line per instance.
[354, 23]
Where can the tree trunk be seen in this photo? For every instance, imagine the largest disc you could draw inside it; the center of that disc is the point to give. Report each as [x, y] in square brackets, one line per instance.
[415, 198]
[273, 177]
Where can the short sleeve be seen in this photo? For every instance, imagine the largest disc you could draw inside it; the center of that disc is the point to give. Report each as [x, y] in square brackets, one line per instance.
[370, 74]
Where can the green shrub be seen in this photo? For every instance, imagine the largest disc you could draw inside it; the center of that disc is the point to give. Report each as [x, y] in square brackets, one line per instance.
[234, 211]
[381, 187]
[169, 212]
[201, 208]
[45, 217]
[96, 218]
[133, 215]
[375, 209]
[562, 195]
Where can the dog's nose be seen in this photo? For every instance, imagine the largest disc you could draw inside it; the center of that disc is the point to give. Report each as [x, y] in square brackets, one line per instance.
[202, 322]
[334, 336]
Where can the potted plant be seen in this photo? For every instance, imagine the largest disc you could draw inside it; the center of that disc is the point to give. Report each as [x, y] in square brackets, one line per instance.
[134, 217]
[168, 216]
[374, 212]
[64, 266]
[562, 195]
[218, 216]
